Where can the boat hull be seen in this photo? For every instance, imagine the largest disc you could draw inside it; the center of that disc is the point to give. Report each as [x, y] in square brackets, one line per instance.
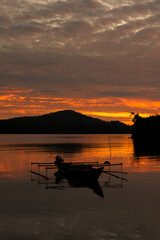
[89, 174]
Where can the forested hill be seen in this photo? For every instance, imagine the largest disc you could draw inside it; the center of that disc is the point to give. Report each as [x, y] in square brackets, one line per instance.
[62, 122]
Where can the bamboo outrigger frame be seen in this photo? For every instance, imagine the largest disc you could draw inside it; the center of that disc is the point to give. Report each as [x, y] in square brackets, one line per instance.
[50, 181]
[51, 166]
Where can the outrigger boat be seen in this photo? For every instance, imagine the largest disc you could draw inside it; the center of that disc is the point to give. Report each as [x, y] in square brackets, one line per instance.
[79, 171]
[78, 174]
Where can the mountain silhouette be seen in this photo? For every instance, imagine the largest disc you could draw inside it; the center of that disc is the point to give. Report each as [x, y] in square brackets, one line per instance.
[62, 122]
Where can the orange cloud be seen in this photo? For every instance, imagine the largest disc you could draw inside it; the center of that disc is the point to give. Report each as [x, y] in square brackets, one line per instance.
[143, 104]
[7, 97]
[25, 102]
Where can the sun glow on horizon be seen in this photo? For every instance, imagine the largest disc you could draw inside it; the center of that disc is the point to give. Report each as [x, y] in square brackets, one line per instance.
[124, 117]
[27, 102]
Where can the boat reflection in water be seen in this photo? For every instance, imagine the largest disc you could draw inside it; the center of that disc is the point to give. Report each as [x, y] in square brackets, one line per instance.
[77, 182]
[61, 182]
[76, 176]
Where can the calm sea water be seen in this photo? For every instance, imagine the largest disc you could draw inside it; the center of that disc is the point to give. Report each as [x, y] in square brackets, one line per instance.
[123, 208]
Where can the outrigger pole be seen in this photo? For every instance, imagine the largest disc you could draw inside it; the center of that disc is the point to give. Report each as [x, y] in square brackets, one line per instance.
[40, 165]
[41, 175]
[108, 172]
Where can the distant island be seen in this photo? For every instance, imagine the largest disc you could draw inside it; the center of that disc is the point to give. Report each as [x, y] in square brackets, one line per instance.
[62, 122]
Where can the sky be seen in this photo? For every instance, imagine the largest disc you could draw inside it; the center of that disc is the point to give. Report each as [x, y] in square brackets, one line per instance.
[97, 57]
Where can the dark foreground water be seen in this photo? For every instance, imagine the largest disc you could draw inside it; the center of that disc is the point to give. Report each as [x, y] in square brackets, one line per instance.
[32, 208]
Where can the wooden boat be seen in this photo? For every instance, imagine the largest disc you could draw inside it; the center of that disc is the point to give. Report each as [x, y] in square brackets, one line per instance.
[82, 174]
[78, 171]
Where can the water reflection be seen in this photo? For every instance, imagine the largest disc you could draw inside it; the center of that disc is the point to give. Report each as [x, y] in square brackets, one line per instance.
[39, 210]
[52, 147]
[17, 152]
[58, 181]
[146, 148]
[78, 183]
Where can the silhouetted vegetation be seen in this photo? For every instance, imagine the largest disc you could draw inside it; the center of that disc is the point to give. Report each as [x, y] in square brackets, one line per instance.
[146, 128]
[62, 122]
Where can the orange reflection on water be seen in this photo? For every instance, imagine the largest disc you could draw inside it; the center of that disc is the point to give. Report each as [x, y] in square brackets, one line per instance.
[15, 160]
[16, 157]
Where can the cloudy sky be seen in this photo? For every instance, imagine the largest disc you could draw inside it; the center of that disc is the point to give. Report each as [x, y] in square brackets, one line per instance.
[98, 57]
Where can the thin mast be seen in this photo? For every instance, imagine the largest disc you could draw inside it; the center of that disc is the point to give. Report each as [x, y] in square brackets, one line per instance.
[110, 148]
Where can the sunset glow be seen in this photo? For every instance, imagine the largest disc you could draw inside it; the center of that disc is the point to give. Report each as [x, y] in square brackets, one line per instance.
[29, 103]
[96, 57]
